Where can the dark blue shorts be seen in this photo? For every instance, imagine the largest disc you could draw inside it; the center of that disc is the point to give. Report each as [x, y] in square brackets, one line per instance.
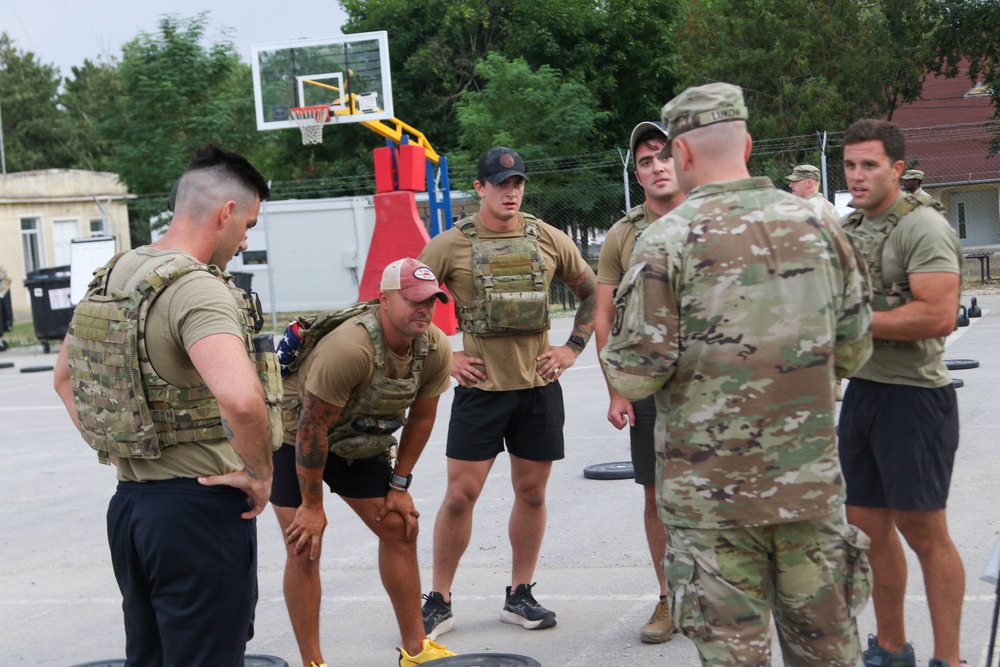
[360, 478]
[528, 421]
[642, 440]
[897, 444]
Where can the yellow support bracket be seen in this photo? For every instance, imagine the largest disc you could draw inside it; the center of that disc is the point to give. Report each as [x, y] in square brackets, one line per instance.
[393, 130]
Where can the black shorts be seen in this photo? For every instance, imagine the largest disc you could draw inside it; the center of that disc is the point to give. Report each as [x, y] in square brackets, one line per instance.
[361, 478]
[642, 440]
[529, 421]
[897, 445]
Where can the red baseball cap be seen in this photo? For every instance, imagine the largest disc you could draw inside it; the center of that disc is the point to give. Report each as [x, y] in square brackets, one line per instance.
[413, 279]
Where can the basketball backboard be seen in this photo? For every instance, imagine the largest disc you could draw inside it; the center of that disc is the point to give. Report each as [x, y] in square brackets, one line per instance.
[323, 70]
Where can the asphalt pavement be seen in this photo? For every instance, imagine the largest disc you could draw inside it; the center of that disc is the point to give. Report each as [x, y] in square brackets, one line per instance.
[60, 605]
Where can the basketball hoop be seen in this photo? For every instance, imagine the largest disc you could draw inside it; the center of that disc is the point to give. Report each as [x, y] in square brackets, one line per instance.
[310, 121]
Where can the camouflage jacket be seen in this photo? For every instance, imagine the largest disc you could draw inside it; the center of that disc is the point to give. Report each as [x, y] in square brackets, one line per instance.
[737, 309]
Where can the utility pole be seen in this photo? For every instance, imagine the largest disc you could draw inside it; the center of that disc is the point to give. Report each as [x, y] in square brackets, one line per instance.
[3, 159]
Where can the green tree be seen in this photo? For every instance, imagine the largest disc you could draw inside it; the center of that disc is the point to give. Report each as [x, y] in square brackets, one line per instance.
[548, 120]
[805, 66]
[34, 131]
[84, 99]
[969, 32]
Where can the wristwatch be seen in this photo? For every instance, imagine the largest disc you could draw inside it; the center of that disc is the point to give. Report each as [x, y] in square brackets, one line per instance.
[398, 483]
[577, 343]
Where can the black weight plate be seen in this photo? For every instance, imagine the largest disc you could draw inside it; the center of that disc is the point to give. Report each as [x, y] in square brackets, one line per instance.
[35, 369]
[6, 364]
[263, 661]
[486, 660]
[616, 470]
[250, 661]
[960, 364]
[957, 382]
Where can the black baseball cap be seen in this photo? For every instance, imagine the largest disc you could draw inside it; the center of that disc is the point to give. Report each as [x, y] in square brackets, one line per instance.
[498, 164]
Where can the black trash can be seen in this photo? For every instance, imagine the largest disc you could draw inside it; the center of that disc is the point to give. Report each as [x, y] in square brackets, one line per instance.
[243, 280]
[51, 309]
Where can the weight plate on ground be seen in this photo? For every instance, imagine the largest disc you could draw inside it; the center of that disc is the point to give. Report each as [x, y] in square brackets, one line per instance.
[263, 661]
[487, 660]
[957, 382]
[102, 663]
[35, 369]
[6, 364]
[960, 364]
[616, 470]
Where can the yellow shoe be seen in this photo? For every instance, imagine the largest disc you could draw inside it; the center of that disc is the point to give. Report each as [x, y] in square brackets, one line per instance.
[313, 664]
[431, 651]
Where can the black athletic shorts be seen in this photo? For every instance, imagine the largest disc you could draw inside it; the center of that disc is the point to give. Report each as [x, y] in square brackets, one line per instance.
[897, 444]
[641, 439]
[361, 478]
[529, 421]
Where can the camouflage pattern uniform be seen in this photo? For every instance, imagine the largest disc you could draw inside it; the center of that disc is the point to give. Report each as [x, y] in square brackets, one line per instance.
[737, 309]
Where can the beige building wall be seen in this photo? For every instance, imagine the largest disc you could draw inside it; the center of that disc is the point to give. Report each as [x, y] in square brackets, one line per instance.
[60, 205]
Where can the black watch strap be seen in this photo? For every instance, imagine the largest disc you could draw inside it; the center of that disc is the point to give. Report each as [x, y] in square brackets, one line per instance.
[577, 343]
[396, 480]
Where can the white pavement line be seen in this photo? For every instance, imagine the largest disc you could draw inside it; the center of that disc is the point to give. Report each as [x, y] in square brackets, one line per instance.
[33, 407]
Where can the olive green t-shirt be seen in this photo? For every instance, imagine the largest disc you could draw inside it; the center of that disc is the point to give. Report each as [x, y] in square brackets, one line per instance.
[197, 305]
[510, 360]
[341, 368]
[922, 242]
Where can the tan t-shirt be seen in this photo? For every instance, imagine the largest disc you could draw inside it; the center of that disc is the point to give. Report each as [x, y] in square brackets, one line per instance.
[340, 368]
[510, 360]
[195, 306]
[619, 243]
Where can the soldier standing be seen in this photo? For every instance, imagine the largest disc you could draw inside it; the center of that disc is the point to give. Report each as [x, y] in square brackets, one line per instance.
[737, 308]
[181, 412]
[913, 183]
[498, 264]
[656, 176]
[899, 422]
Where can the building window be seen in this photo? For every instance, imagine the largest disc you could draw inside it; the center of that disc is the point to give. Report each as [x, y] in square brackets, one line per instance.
[961, 220]
[98, 227]
[31, 243]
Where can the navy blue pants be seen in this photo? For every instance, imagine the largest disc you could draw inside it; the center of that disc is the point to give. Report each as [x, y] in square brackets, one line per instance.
[186, 564]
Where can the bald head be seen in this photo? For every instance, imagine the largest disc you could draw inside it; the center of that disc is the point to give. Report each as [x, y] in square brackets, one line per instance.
[711, 153]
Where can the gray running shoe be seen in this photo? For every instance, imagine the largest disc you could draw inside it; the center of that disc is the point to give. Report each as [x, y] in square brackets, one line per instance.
[521, 608]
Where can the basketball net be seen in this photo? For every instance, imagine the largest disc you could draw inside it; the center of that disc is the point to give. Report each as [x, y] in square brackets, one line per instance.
[310, 121]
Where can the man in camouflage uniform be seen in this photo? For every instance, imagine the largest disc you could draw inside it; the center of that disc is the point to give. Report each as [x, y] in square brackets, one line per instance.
[912, 183]
[342, 380]
[804, 182]
[181, 526]
[498, 265]
[899, 422]
[737, 308]
[656, 176]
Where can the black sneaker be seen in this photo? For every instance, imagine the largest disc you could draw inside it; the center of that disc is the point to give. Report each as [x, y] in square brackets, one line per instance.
[437, 616]
[522, 609]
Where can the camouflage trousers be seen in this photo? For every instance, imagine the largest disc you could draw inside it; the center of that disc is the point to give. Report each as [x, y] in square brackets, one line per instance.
[813, 576]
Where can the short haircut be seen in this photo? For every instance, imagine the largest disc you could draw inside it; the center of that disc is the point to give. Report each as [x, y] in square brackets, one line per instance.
[214, 173]
[871, 129]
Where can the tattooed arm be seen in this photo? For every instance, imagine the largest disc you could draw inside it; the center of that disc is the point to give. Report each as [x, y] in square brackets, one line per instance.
[561, 357]
[311, 449]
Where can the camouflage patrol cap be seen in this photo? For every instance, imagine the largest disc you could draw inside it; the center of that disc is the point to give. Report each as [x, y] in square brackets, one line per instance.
[700, 106]
[914, 174]
[803, 171]
[647, 129]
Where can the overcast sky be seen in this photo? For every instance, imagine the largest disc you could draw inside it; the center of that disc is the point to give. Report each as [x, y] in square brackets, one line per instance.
[65, 32]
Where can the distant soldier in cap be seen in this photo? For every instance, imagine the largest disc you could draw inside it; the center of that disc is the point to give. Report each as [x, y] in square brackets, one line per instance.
[912, 183]
[804, 182]
[899, 427]
[343, 402]
[656, 176]
[738, 307]
[498, 265]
